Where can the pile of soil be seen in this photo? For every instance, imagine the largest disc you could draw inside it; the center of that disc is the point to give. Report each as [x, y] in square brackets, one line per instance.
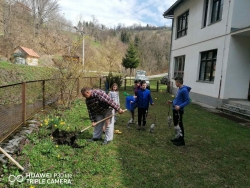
[65, 138]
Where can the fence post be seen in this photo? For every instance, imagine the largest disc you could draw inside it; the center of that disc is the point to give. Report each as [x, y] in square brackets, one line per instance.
[100, 85]
[125, 84]
[24, 102]
[43, 88]
[157, 86]
[91, 82]
[78, 87]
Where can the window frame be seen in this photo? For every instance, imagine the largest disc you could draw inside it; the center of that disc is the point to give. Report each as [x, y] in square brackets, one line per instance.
[178, 72]
[212, 70]
[205, 13]
[218, 16]
[179, 28]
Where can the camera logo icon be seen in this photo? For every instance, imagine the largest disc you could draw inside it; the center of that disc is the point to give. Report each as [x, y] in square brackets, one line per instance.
[18, 178]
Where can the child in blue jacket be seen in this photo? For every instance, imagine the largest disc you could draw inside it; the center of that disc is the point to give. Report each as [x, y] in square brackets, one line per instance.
[180, 101]
[143, 99]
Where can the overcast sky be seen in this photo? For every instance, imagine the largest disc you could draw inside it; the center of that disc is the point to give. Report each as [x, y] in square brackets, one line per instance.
[112, 12]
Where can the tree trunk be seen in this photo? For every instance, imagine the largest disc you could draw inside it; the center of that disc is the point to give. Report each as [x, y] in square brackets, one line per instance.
[130, 75]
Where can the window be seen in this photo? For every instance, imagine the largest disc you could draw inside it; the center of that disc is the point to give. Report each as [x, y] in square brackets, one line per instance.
[208, 66]
[179, 66]
[216, 14]
[182, 24]
[204, 23]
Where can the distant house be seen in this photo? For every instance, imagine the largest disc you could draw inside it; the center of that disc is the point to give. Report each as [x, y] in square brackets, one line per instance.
[25, 56]
[211, 48]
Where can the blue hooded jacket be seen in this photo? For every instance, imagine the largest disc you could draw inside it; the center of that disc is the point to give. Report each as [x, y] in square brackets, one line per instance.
[143, 98]
[182, 97]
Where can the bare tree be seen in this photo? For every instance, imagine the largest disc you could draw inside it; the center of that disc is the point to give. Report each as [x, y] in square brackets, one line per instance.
[1, 17]
[42, 11]
[113, 52]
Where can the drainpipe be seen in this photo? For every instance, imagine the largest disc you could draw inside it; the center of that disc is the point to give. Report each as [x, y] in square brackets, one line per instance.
[170, 52]
[223, 54]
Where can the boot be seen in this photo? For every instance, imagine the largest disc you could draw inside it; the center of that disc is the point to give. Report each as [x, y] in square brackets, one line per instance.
[144, 126]
[180, 141]
[178, 133]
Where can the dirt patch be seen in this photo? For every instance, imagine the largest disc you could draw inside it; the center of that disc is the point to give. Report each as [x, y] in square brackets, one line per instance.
[65, 138]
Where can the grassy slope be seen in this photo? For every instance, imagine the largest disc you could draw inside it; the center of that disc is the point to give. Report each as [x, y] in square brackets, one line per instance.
[216, 153]
[13, 73]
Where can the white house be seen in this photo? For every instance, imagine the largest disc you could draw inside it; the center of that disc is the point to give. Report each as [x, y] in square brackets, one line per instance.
[211, 48]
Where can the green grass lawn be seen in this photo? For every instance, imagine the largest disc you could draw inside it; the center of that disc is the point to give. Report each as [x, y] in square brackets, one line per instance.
[15, 73]
[216, 153]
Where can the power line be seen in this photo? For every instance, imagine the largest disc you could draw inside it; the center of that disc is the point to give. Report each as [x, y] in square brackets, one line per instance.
[134, 12]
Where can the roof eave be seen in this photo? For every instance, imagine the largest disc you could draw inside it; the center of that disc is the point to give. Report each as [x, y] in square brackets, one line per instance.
[169, 14]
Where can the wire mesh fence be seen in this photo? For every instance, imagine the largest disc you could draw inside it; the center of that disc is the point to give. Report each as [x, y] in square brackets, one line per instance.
[10, 108]
[20, 101]
[33, 97]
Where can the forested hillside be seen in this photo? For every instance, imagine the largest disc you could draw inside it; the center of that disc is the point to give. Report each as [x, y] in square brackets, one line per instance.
[51, 35]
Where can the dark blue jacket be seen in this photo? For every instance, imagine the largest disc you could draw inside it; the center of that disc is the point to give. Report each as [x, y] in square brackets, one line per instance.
[182, 97]
[143, 98]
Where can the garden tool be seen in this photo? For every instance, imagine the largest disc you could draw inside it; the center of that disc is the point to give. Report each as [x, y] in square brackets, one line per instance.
[100, 121]
[169, 117]
[177, 129]
[152, 126]
[13, 160]
[125, 94]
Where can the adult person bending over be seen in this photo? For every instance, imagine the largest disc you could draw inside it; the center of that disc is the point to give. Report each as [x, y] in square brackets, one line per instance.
[180, 101]
[100, 106]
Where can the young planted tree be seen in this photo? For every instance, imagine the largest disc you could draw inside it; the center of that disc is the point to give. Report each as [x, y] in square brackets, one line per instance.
[70, 70]
[131, 59]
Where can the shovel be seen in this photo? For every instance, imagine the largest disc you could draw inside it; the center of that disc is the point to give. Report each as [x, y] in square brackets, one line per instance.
[100, 121]
[13, 160]
[169, 117]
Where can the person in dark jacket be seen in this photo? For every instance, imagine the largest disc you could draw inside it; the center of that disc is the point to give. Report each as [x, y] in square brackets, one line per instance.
[137, 87]
[180, 101]
[143, 99]
[100, 106]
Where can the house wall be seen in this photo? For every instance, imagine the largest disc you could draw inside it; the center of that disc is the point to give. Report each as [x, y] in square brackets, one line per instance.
[18, 51]
[238, 68]
[192, 66]
[19, 60]
[241, 14]
[196, 33]
[198, 39]
[31, 61]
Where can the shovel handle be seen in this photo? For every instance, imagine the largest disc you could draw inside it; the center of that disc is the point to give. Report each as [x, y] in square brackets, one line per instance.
[13, 160]
[168, 109]
[101, 121]
[86, 128]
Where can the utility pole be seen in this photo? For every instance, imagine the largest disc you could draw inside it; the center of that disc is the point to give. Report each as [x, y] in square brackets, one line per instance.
[81, 31]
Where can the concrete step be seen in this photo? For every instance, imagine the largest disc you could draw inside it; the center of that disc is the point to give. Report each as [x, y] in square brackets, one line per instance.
[240, 104]
[236, 110]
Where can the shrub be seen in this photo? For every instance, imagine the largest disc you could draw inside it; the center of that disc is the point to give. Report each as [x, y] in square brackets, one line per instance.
[114, 79]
